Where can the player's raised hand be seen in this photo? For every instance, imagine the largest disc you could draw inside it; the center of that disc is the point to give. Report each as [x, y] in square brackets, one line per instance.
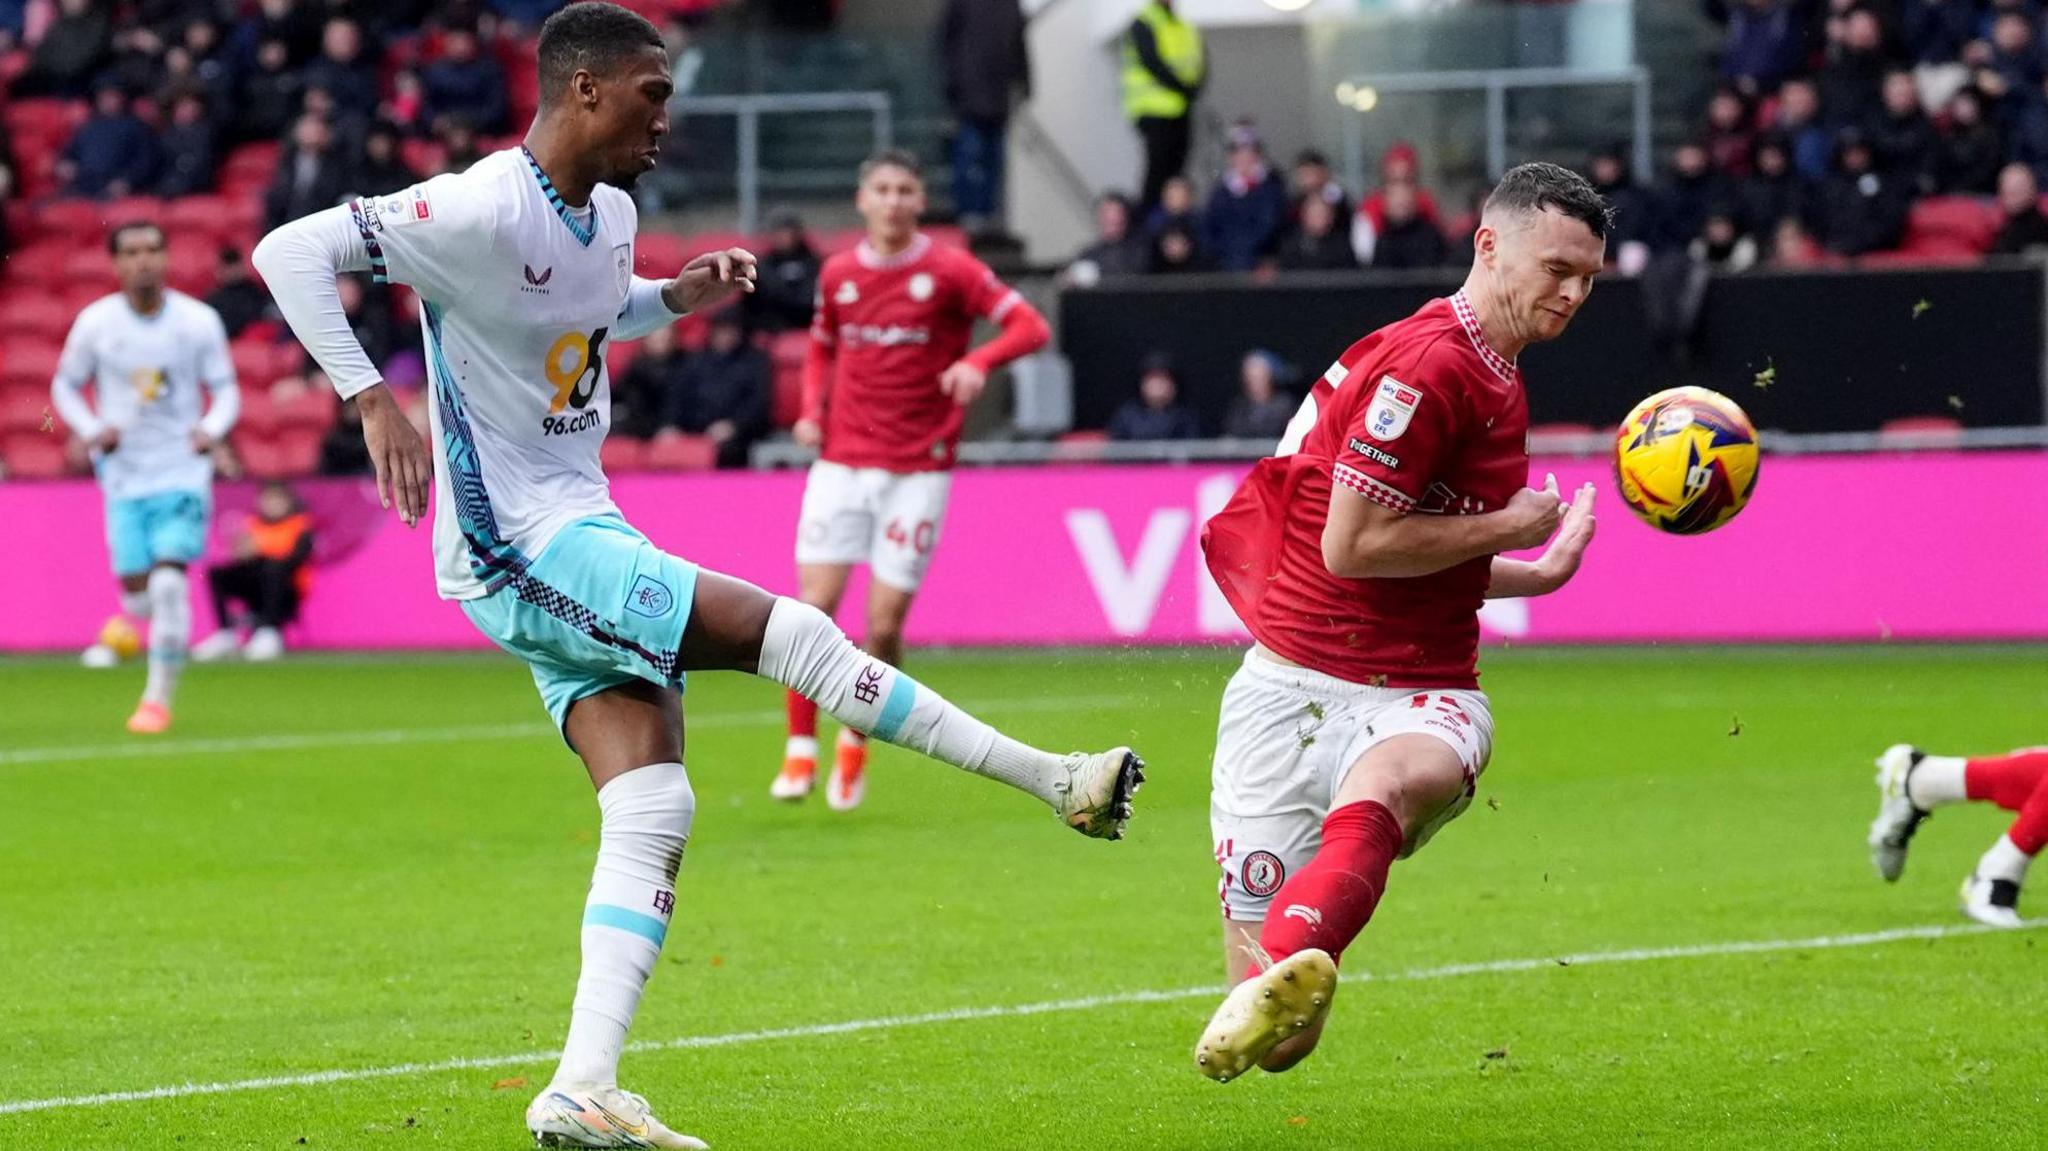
[963, 381]
[1534, 515]
[1560, 561]
[405, 470]
[712, 277]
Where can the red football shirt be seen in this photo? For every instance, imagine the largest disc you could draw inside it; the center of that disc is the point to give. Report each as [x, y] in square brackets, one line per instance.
[895, 324]
[1421, 417]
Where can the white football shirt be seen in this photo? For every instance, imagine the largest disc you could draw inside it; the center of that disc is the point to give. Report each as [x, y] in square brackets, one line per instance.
[520, 296]
[147, 373]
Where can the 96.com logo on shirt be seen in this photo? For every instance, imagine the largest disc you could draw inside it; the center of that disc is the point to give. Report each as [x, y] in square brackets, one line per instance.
[574, 364]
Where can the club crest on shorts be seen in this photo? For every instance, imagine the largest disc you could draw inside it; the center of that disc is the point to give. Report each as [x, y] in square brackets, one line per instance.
[650, 597]
[1393, 405]
[1262, 873]
[921, 286]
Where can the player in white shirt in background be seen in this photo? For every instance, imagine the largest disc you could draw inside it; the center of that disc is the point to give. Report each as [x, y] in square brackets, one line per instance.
[148, 352]
[523, 265]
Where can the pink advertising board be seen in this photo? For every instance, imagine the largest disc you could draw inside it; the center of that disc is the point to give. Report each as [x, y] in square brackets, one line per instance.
[1944, 546]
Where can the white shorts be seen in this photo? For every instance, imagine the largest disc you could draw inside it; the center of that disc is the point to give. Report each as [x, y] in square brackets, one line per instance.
[887, 520]
[1284, 741]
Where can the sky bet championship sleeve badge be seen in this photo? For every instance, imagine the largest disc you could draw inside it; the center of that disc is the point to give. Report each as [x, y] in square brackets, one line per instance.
[1392, 407]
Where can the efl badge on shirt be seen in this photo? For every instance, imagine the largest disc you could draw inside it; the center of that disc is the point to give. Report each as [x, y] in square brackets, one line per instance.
[921, 287]
[1392, 407]
[622, 263]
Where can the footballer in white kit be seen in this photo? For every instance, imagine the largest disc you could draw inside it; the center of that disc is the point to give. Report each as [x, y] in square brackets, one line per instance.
[524, 268]
[164, 395]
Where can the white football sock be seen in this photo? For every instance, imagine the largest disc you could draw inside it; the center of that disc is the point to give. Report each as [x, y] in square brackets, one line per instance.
[170, 631]
[647, 816]
[2004, 861]
[807, 653]
[1937, 781]
[801, 747]
[136, 603]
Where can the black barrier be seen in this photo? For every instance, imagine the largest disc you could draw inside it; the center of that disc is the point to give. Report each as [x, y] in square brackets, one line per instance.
[1809, 351]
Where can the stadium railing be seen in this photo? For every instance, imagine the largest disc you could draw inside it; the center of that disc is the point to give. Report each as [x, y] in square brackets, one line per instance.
[747, 113]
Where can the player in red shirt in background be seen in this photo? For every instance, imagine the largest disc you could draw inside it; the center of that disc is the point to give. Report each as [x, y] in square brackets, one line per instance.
[887, 384]
[1359, 556]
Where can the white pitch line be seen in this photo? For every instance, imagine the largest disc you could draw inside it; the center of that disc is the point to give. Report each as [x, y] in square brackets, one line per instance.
[1012, 1011]
[233, 745]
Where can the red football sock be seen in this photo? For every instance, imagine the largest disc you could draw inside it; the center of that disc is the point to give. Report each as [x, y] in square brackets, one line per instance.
[803, 717]
[2006, 780]
[2030, 831]
[1327, 903]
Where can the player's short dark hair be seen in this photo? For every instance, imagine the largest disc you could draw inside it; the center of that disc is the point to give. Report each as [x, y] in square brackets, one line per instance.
[892, 158]
[114, 237]
[1539, 186]
[591, 36]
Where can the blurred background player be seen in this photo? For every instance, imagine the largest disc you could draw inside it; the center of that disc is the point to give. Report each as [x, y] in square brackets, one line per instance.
[148, 352]
[886, 388]
[527, 539]
[1911, 784]
[1359, 557]
[266, 579]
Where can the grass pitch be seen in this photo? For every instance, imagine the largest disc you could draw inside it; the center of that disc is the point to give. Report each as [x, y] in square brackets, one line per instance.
[349, 865]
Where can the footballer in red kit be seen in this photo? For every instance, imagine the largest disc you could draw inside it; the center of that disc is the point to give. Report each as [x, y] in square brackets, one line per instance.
[1359, 556]
[887, 383]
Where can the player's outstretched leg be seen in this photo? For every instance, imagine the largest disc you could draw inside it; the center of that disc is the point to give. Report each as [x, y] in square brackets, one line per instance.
[735, 625]
[170, 631]
[1399, 788]
[1898, 816]
[2016, 782]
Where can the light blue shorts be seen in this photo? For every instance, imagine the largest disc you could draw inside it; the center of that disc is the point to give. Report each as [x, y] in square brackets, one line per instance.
[601, 606]
[168, 527]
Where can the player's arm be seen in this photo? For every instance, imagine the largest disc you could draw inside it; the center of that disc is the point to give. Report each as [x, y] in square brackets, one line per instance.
[67, 391]
[299, 262]
[704, 281]
[820, 365]
[1024, 332]
[223, 393]
[1558, 563]
[1363, 539]
[1409, 423]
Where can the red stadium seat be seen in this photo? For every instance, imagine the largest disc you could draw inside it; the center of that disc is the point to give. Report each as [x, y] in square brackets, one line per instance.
[45, 264]
[24, 409]
[619, 357]
[298, 450]
[71, 222]
[676, 452]
[251, 163]
[129, 209]
[252, 363]
[1920, 431]
[261, 457]
[259, 412]
[206, 219]
[90, 265]
[32, 314]
[306, 409]
[1968, 223]
[657, 254]
[29, 361]
[1087, 444]
[34, 455]
[623, 454]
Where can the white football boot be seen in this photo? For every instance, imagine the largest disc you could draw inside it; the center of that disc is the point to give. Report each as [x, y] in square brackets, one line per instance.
[218, 646]
[1898, 817]
[265, 645]
[599, 1117]
[100, 657]
[1095, 798]
[1993, 902]
[1285, 999]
